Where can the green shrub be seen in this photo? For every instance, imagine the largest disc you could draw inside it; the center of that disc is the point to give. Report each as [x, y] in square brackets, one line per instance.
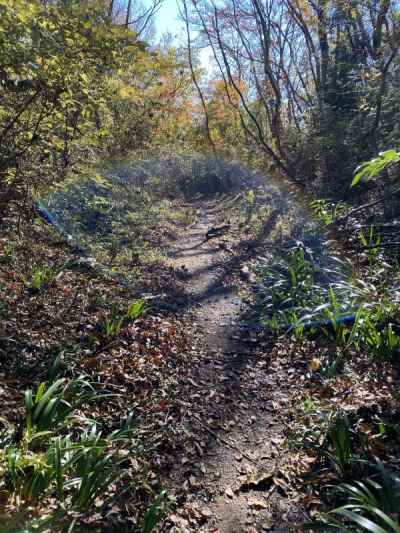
[156, 512]
[327, 212]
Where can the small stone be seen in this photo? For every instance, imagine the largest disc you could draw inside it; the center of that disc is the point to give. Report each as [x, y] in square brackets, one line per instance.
[229, 493]
[206, 513]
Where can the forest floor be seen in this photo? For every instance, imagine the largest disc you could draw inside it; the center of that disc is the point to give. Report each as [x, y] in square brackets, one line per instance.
[251, 397]
[235, 474]
[222, 406]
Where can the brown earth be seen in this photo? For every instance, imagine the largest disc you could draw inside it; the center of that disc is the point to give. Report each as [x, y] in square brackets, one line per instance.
[234, 475]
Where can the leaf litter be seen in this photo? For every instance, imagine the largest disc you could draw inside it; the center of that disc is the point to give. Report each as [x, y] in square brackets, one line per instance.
[217, 416]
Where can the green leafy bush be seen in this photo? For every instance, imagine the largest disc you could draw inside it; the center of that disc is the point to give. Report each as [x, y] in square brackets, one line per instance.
[156, 512]
[50, 101]
[327, 212]
[374, 168]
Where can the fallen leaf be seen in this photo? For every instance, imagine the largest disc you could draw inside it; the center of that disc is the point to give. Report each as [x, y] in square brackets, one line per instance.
[258, 504]
[315, 364]
[262, 481]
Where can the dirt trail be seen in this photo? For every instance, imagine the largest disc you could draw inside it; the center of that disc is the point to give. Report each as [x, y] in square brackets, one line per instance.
[235, 479]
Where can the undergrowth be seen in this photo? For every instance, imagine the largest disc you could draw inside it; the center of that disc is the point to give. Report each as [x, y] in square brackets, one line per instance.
[300, 296]
[349, 306]
[70, 464]
[61, 462]
[121, 217]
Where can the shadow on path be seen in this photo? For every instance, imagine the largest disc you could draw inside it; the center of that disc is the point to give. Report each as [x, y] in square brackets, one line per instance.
[230, 391]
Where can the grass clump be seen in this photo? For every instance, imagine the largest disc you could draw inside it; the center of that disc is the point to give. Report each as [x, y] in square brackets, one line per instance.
[62, 459]
[299, 296]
